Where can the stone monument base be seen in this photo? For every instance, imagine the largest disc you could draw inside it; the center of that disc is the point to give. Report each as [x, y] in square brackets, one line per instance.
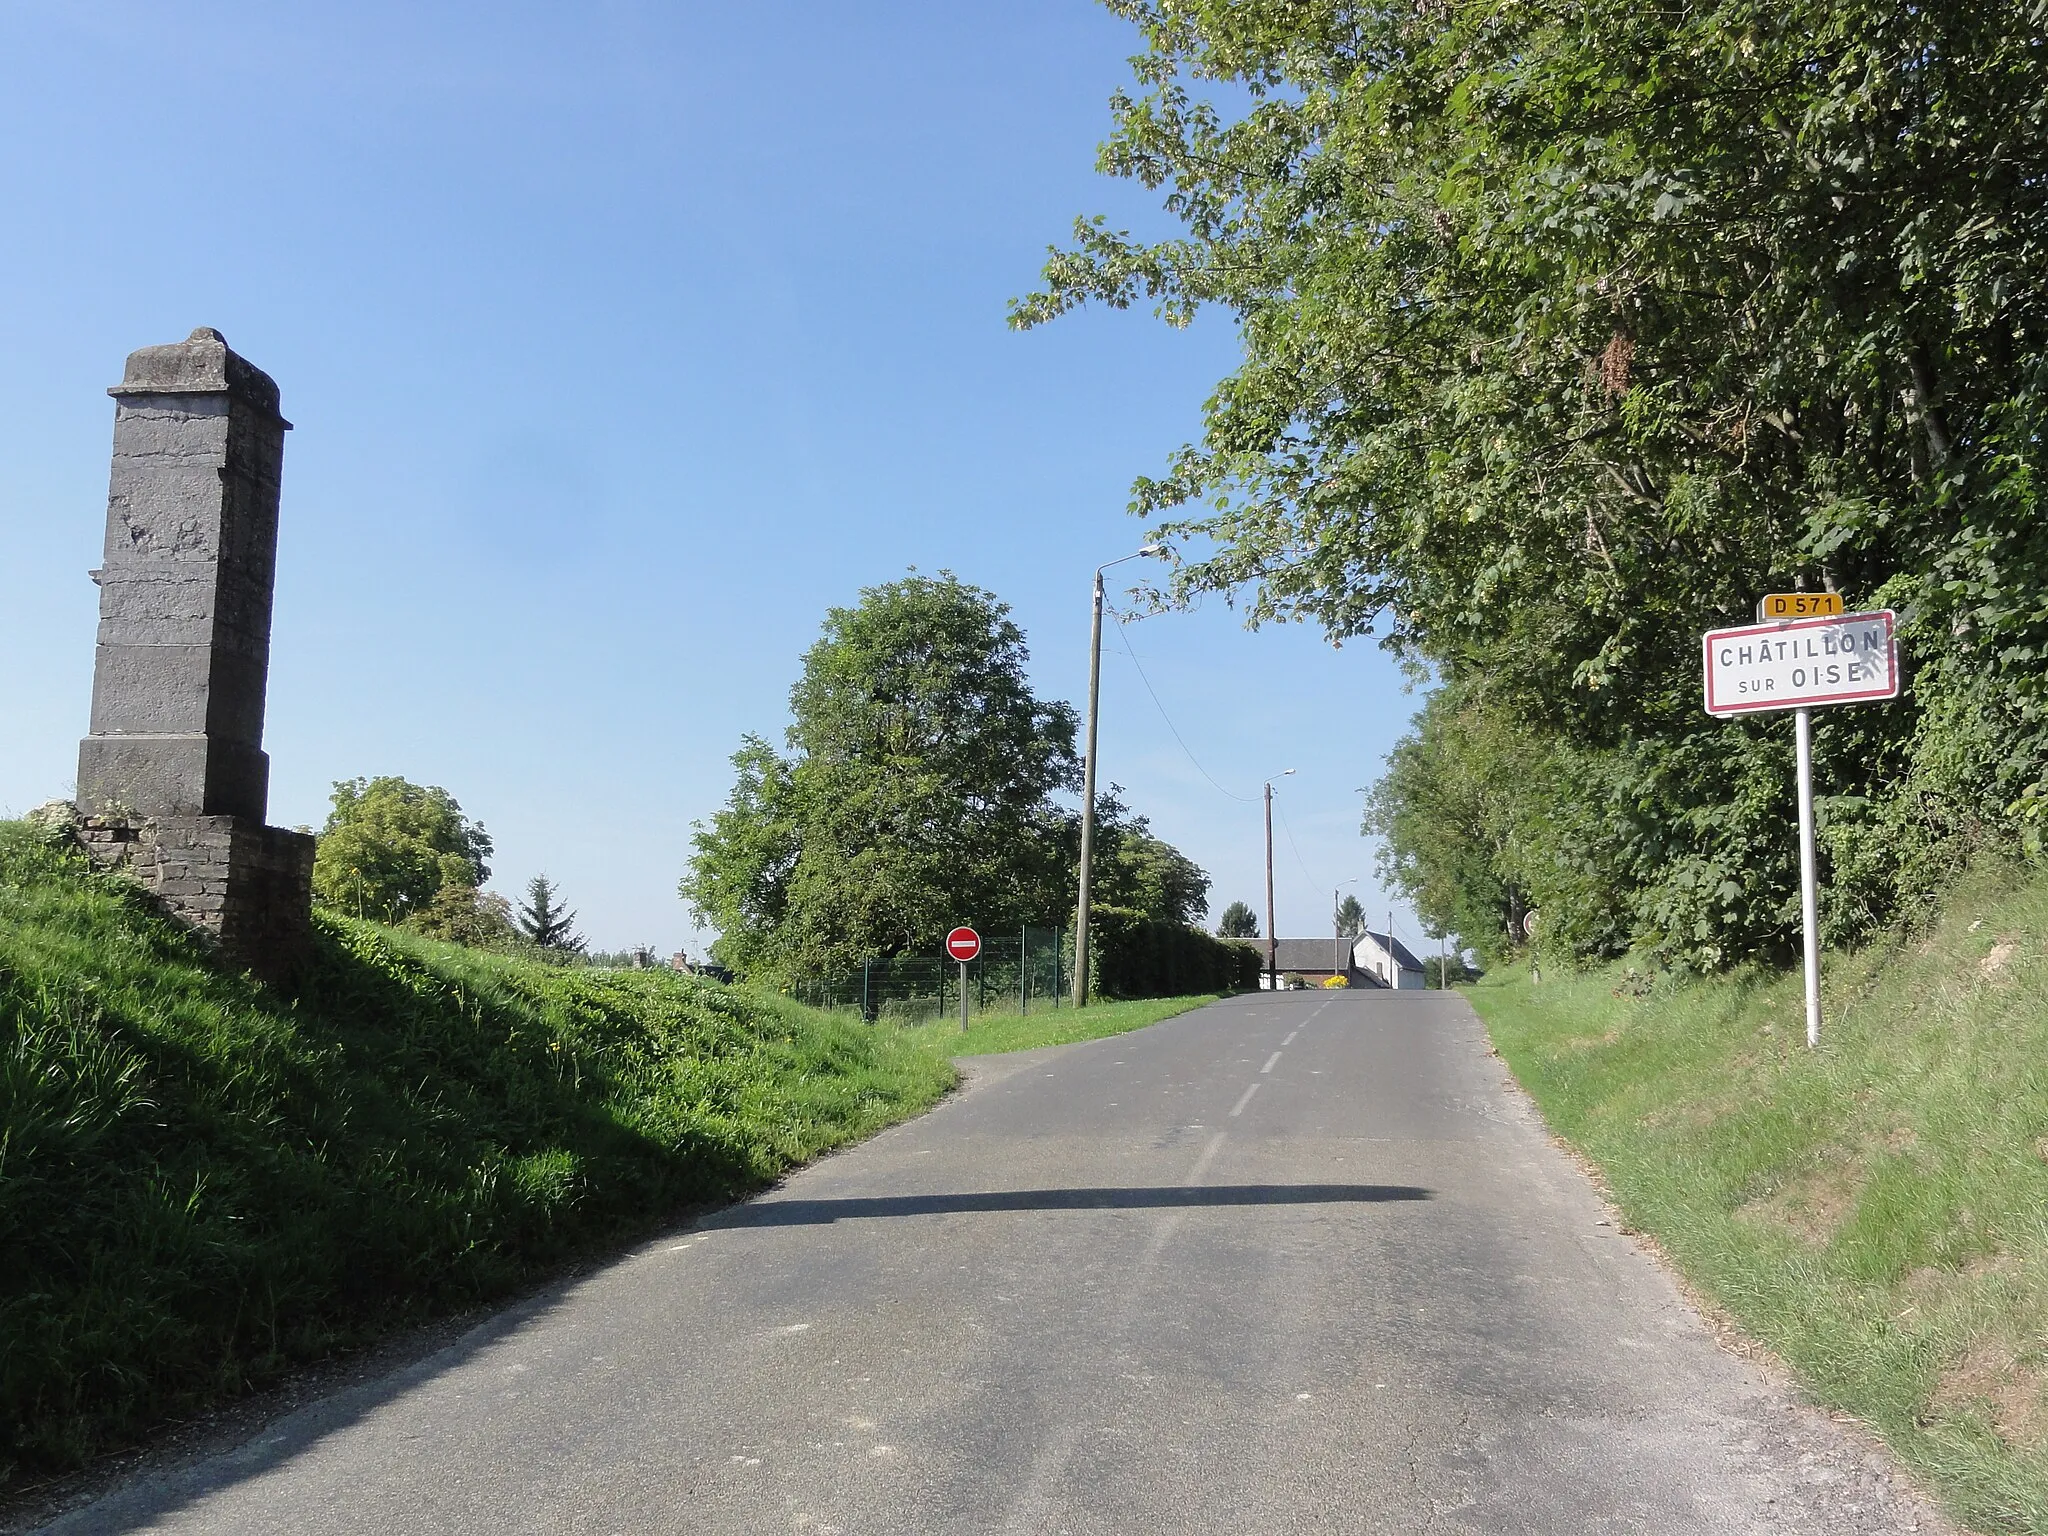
[246, 886]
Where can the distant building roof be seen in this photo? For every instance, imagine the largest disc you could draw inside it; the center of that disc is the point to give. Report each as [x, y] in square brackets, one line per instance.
[1305, 955]
[1311, 954]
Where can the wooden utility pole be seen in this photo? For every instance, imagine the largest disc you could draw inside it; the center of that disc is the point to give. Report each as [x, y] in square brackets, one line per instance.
[1088, 784]
[1088, 804]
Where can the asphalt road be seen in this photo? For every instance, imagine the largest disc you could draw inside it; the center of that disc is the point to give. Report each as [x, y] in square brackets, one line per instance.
[1293, 1263]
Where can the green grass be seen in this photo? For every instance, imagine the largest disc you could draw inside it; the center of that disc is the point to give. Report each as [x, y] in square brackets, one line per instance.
[204, 1182]
[992, 1033]
[1875, 1212]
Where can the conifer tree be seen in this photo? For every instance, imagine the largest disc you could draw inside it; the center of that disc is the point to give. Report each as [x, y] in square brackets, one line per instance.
[544, 921]
[1350, 917]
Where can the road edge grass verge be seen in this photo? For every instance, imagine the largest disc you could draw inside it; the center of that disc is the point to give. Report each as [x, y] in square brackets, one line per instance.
[992, 1034]
[1875, 1213]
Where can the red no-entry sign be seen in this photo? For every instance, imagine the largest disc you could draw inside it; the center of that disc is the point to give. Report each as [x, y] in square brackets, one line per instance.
[963, 944]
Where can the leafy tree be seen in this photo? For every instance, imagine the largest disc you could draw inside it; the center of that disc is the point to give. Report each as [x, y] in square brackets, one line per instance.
[1570, 330]
[1239, 922]
[390, 847]
[1445, 971]
[544, 921]
[1460, 815]
[917, 792]
[1146, 874]
[1350, 917]
[461, 914]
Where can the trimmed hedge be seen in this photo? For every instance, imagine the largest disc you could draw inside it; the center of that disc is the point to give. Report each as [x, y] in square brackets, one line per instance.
[1135, 956]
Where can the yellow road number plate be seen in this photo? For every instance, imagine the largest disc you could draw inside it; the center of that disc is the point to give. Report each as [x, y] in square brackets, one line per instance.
[1798, 605]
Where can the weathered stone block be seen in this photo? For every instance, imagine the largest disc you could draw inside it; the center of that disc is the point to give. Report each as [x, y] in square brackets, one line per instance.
[185, 588]
[173, 773]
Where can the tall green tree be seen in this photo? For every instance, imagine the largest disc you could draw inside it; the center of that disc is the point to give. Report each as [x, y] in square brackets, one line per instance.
[1350, 917]
[1238, 922]
[1571, 329]
[1147, 874]
[1458, 816]
[462, 914]
[390, 847]
[544, 921]
[917, 792]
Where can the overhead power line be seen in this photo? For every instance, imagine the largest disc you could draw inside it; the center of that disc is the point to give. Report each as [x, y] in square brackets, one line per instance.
[1131, 651]
[1299, 862]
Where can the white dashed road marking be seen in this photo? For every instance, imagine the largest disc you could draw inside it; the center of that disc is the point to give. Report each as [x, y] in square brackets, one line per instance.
[1244, 1101]
[1269, 1064]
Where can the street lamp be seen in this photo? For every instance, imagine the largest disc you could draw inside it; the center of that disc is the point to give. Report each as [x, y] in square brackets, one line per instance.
[1088, 780]
[1272, 933]
[1337, 926]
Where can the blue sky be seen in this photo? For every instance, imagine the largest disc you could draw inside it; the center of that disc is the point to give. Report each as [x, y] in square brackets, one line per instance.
[622, 340]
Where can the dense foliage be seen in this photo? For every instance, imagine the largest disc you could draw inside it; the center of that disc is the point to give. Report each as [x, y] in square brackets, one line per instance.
[1147, 874]
[1351, 917]
[1461, 814]
[1135, 955]
[1238, 922]
[1570, 330]
[392, 849]
[204, 1182]
[919, 792]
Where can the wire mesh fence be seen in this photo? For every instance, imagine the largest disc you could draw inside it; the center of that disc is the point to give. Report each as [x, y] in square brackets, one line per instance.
[1022, 971]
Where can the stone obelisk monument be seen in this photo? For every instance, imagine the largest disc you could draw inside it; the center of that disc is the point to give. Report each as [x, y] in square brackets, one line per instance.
[173, 782]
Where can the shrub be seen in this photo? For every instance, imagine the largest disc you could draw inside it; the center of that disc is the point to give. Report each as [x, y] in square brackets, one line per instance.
[1135, 956]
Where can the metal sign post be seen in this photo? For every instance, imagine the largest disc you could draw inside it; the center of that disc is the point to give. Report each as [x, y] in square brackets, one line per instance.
[1810, 654]
[963, 944]
[1809, 883]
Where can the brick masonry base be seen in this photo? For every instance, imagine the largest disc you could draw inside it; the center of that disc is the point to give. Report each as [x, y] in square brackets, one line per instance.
[246, 886]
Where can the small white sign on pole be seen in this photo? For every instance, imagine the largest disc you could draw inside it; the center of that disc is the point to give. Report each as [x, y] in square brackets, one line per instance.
[1802, 664]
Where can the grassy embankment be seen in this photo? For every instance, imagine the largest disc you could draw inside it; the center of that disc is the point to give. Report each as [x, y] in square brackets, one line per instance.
[1875, 1212]
[204, 1182]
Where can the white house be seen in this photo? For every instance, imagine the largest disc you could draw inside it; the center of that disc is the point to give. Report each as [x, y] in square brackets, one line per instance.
[1363, 961]
[1387, 961]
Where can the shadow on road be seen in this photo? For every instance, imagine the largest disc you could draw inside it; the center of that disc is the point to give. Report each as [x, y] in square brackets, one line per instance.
[805, 1213]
